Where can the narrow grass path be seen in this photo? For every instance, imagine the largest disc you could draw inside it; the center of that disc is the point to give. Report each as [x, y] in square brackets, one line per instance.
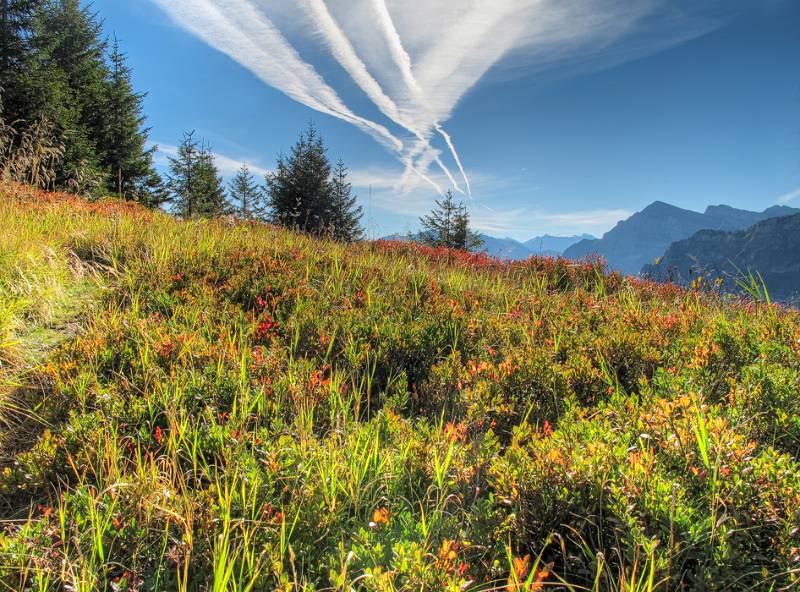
[22, 390]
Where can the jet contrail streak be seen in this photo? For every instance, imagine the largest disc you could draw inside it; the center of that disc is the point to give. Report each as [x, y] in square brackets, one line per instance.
[423, 163]
[234, 32]
[396, 48]
[418, 170]
[403, 61]
[344, 52]
[346, 55]
[449, 141]
[469, 48]
[248, 37]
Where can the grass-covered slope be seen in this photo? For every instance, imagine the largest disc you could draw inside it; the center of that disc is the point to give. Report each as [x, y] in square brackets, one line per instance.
[218, 406]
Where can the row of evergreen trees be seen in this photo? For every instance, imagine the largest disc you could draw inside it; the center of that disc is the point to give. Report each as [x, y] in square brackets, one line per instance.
[304, 192]
[56, 66]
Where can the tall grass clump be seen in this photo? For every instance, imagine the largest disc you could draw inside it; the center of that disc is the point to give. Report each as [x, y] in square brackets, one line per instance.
[29, 154]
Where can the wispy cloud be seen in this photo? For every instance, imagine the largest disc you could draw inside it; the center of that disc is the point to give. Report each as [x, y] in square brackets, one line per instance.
[240, 30]
[226, 164]
[520, 222]
[789, 197]
[523, 223]
[414, 59]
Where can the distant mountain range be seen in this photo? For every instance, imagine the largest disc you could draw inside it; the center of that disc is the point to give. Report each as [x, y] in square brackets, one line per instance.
[505, 248]
[668, 243]
[770, 247]
[511, 249]
[646, 236]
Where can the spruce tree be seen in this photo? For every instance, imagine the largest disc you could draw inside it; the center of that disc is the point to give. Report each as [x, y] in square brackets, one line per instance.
[54, 74]
[181, 177]
[345, 220]
[299, 191]
[16, 21]
[438, 226]
[464, 237]
[247, 197]
[66, 84]
[212, 200]
[152, 192]
[123, 143]
[448, 226]
[194, 181]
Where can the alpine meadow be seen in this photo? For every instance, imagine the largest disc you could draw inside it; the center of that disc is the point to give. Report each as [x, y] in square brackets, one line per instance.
[216, 377]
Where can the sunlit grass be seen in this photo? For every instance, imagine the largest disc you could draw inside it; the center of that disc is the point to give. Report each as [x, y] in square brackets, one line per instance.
[222, 406]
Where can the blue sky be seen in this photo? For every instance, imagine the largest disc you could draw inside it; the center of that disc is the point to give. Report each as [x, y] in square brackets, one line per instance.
[566, 116]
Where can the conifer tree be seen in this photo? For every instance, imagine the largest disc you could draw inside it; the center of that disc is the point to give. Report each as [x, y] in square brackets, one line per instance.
[247, 197]
[124, 138]
[299, 191]
[66, 84]
[54, 74]
[181, 181]
[152, 192]
[464, 237]
[211, 192]
[16, 20]
[345, 219]
[448, 226]
[194, 181]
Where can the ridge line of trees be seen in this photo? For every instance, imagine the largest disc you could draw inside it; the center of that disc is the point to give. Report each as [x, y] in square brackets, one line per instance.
[305, 192]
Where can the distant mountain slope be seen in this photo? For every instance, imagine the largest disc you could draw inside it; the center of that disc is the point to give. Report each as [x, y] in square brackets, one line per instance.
[771, 248]
[502, 248]
[505, 248]
[509, 248]
[639, 240]
[549, 244]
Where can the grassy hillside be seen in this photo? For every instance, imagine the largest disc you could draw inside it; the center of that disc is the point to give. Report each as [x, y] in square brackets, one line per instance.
[216, 406]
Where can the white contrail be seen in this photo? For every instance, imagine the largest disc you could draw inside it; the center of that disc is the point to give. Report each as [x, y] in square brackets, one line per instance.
[428, 156]
[424, 155]
[237, 29]
[453, 65]
[418, 169]
[449, 141]
[396, 48]
[344, 52]
[403, 61]
[549, 30]
[346, 55]
[234, 32]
